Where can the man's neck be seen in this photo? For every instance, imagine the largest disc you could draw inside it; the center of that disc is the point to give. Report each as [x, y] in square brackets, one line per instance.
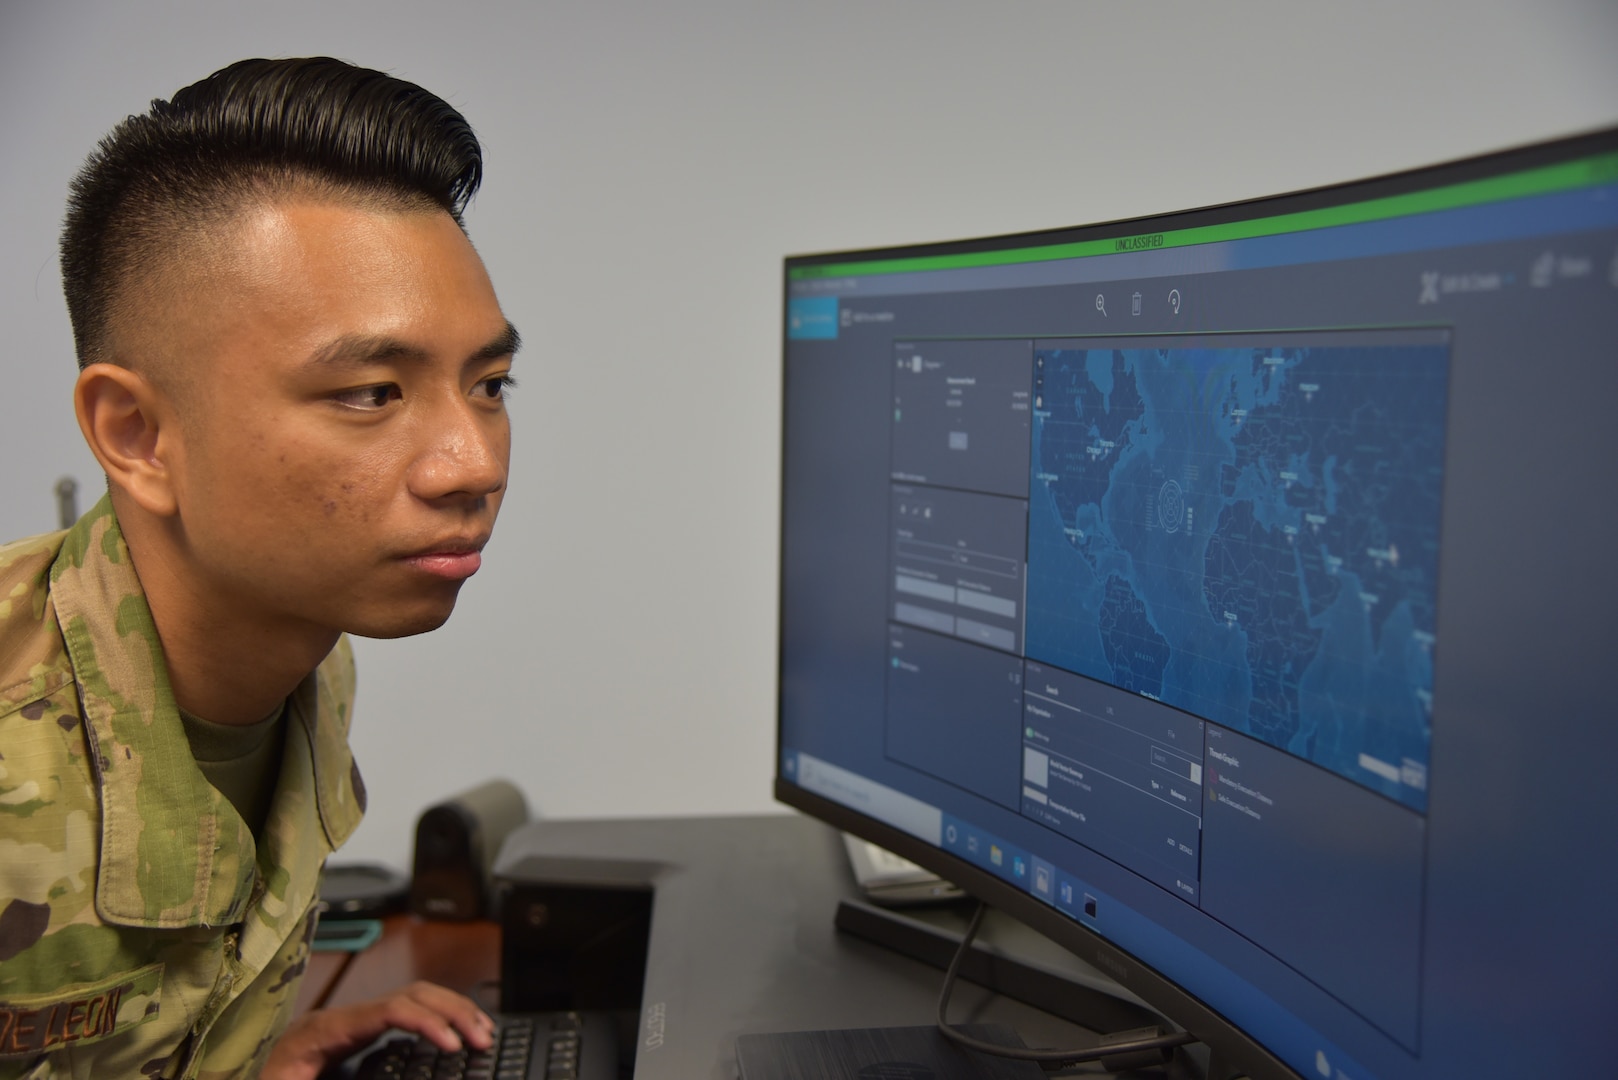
[228, 666]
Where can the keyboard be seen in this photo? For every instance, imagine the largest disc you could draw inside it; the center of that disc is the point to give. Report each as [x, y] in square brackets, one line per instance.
[528, 1046]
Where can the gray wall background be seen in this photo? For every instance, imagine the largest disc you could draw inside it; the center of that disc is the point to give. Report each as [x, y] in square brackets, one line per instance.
[648, 166]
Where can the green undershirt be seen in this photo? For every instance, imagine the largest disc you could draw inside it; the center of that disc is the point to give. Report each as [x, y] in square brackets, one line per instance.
[242, 762]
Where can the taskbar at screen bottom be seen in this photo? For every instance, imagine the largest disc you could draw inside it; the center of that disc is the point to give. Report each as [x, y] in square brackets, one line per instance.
[1215, 985]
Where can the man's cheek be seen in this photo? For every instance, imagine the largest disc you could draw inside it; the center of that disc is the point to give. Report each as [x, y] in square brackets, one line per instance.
[318, 485]
[345, 502]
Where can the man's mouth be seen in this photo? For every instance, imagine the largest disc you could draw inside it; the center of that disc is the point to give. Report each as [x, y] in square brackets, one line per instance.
[454, 560]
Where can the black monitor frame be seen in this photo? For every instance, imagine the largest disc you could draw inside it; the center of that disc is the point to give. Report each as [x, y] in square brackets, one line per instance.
[1515, 159]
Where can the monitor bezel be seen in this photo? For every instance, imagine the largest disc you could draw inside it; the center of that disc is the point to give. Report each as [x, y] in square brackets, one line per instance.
[1232, 1045]
[1382, 185]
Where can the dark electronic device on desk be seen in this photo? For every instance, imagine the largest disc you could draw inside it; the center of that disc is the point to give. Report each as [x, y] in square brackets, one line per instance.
[456, 843]
[1229, 595]
[361, 891]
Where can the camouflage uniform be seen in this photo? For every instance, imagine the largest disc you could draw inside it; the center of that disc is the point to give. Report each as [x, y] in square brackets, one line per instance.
[142, 930]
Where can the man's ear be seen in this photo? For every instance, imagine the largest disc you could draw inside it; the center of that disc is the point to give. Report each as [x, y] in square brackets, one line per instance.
[131, 431]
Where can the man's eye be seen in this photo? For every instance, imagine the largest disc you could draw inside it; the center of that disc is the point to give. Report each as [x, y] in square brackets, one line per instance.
[496, 387]
[369, 398]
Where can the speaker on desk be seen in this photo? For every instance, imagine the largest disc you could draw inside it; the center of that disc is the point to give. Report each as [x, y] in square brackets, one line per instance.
[456, 842]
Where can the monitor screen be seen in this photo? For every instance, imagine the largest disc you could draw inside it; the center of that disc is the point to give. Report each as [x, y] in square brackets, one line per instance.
[1231, 594]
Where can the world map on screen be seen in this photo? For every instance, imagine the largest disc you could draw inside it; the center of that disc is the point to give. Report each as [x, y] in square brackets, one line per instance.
[1249, 534]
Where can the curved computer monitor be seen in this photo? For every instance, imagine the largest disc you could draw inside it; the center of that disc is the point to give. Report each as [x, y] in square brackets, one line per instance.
[1233, 596]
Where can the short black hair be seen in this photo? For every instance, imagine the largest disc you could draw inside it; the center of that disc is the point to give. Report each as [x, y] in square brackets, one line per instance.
[256, 128]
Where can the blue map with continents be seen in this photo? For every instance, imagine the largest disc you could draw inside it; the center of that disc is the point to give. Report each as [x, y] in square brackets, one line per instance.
[1251, 535]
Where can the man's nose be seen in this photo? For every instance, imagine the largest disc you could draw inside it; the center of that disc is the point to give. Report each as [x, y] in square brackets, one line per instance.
[465, 454]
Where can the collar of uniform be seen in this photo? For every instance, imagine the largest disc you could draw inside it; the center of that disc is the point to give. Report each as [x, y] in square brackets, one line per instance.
[316, 761]
[174, 852]
[321, 704]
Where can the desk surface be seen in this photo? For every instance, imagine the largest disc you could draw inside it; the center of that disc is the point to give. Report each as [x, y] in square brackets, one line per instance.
[462, 956]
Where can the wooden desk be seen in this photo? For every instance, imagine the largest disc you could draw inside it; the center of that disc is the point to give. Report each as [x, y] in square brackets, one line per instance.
[462, 956]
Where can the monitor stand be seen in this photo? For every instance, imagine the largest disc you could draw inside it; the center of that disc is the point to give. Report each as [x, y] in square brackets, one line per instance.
[1007, 957]
[1010, 958]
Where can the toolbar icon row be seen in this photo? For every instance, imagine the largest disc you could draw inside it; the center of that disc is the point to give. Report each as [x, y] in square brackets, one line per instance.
[1136, 302]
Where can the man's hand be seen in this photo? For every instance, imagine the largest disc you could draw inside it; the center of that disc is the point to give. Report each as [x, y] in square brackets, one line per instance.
[324, 1037]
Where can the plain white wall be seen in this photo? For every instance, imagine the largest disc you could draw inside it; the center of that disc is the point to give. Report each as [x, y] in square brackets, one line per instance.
[648, 166]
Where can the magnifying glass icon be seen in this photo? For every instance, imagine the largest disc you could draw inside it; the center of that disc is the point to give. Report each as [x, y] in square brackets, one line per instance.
[1101, 303]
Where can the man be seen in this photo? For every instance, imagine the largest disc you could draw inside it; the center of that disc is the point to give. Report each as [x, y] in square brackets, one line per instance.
[293, 371]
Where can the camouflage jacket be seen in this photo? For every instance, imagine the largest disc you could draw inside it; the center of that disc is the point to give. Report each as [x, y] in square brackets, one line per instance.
[142, 931]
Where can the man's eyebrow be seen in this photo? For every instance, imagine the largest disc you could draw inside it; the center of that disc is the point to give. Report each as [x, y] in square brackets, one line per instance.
[358, 350]
[506, 344]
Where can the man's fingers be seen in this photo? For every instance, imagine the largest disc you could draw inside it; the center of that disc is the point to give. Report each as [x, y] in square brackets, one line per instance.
[442, 1015]
[459, 1010]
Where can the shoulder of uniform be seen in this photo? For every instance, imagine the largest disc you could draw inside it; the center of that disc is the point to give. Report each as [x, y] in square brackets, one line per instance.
[33, 662]
[49, 818]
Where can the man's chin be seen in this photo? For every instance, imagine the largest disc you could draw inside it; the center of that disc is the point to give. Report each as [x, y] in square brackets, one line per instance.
[400, 624]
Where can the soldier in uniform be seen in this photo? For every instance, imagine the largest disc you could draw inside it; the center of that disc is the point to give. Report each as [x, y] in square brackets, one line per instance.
[293, 372]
